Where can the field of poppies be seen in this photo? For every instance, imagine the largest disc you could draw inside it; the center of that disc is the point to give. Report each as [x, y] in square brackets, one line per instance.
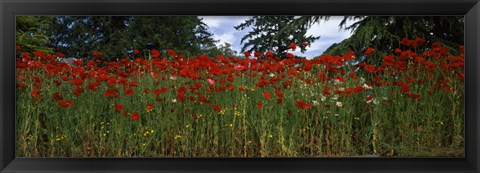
[163, 104]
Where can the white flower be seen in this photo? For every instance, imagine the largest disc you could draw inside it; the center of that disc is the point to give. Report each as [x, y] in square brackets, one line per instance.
[362, 80]
[174, 100]
[367, 86]
[375, 101]
[385, 98]
[337, 115]
[339, 104]
[341, 89]
[335, 97]
[336, 82]
[315, 103]
[173, 78]
[272, 75]
[323, 98]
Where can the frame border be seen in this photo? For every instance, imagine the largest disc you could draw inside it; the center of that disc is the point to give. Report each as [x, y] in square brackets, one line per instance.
[10, 8]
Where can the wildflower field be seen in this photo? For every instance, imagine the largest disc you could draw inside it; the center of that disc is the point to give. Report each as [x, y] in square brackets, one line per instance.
[162, 104]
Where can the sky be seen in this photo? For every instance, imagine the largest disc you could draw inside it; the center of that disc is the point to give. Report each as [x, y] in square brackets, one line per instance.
[329, 32]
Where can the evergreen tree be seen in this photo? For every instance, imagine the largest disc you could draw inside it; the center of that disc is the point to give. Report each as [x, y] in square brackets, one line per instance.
[32, 33]
[275, 33]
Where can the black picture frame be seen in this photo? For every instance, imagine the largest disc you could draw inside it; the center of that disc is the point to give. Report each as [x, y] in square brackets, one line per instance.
[10, 8]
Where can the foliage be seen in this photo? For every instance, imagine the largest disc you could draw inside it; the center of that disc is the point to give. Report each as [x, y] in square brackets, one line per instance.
[116, 36]
[411, 105]
[275, 33]
[32, 33]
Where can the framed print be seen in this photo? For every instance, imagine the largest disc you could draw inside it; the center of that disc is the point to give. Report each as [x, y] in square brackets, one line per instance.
[239, 86]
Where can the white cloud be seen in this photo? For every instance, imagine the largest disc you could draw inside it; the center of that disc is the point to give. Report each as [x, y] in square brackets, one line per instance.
[224, 38]
[329, 32]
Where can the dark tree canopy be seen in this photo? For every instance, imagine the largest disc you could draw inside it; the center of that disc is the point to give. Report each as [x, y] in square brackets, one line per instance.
[114, 36]
[384, 33]
[275, 33]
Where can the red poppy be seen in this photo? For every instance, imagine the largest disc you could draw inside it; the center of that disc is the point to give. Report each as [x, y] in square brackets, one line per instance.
[157, 91]
[149, 107]
[326, 90]
[119, 107]
[93, 85]
[216, 108]
[259, 105]
[17, 47]
[78, 91]
[135, 52]
[302, 105]
[358, 89]
[406, 87]
[305, 44]
[155, 53]
[352, 75]
[111, 93]
[409, 79]
[35, 92]
[57, 96]
[290, 55]
[60, 54]
[135, 116]
[241, 88]
[257, 54]
[21, 85]
[267, 95]
[269, 54]
[369, 51]
[77, 81]
[65, 103]
[292, 46]
[247, 54]
[370, 68]
[129, 92]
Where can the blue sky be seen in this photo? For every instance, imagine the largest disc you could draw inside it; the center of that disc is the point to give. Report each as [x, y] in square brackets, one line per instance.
[329, 32]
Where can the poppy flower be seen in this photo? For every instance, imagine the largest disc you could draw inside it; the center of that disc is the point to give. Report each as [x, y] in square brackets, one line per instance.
[302, 105]
[21, 85]
[358, 89]
[241, 88]
[78, 91]
[60, 54]
[149, 107]
[369, 51]
[305, 44]
[292, 46]
[257, 54]
[129, 92]
[65, 104]
[269, 54]
[155, 53]
[17, 47]
[111, 93]
[57, 96]
[267, 95]
[119, 107]
[370, 68]
[135, 116]
[77, 81]
[247, 54]
[136, 52]
[35, 92]
[290, 55]
[93, 85]
[216, 108]
[259, 105]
